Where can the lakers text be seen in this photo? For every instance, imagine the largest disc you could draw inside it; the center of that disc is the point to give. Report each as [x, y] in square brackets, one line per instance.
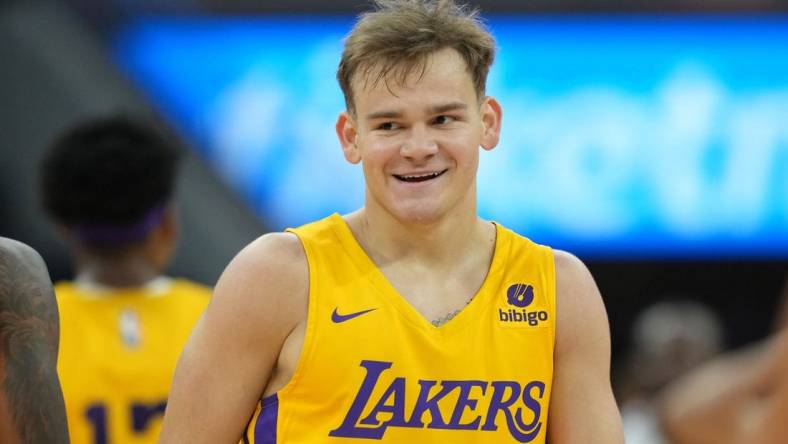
[470, 412]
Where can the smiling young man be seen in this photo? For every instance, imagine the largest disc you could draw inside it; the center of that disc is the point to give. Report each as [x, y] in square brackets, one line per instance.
[411, 319]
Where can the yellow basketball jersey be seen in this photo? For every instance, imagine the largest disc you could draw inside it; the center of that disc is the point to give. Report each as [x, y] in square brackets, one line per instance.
[118, 350]
[373, 369]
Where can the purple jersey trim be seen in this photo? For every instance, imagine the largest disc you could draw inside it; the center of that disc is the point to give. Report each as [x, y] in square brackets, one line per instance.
[265, 429]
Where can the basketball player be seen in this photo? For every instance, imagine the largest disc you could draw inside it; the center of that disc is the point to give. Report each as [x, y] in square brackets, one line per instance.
[108, 185]
[410, 320]
[31, 404]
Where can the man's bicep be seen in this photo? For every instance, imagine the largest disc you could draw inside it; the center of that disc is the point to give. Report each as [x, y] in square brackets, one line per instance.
[233, 348]
[582, 406]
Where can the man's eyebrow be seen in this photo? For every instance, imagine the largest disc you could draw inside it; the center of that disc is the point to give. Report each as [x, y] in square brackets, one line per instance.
[453, 106]
[437, 109]
[384, 114]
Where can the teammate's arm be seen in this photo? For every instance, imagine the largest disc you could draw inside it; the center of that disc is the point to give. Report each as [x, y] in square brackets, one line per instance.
[31, 403]
[582, 407]
[259, 300]
[738, 397]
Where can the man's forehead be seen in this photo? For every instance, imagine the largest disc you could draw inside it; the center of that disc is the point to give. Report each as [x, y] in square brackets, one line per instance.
[382, 86]
[407, 72]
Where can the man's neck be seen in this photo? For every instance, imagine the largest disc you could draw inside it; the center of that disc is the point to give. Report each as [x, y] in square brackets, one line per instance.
[440, 243]
[126, 270]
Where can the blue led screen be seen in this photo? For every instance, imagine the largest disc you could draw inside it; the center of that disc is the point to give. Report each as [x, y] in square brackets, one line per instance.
[630, 136]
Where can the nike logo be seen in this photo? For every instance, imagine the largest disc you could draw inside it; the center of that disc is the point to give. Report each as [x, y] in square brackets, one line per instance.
[338, 318]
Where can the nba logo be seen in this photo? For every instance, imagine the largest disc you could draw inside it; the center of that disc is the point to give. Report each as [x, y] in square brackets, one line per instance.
[129, 327]
[520, 295]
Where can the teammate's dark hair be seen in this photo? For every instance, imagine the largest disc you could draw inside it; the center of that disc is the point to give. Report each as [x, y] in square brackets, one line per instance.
[109, 171]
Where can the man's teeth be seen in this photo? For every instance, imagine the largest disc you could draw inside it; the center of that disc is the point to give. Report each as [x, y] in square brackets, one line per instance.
[418, 177]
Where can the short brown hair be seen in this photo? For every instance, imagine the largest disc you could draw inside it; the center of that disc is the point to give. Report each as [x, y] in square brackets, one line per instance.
[398, 36]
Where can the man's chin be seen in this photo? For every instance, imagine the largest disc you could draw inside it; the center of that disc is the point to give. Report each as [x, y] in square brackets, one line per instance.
[421, 214]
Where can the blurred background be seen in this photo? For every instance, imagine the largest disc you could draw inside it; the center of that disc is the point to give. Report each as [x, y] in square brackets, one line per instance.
[649, 138]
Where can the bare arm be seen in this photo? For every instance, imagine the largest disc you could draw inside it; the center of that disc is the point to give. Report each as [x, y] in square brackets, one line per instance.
[582, 407]
[31, 403]
[259, 300]
[738, 397]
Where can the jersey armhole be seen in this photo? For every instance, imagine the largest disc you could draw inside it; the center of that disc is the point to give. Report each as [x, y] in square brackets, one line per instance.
[308, 344]
[552, 289]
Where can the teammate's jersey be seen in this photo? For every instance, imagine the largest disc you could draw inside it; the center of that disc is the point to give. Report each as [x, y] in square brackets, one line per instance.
[118, 350]
[373, 369]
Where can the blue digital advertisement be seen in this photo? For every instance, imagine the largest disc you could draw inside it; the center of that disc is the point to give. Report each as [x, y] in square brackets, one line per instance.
[636, 137]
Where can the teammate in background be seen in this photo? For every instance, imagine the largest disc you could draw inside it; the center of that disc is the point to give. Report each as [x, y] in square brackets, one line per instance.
[31, 404]
[669, 338]
[108, 186]
[739, 397]
[410, 320]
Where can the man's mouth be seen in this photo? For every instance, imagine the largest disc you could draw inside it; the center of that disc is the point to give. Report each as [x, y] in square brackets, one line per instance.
[418, 177]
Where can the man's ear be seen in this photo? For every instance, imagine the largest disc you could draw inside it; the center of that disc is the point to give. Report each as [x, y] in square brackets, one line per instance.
[491, 120]
[347, 134]
[169, 222]
[167, 230]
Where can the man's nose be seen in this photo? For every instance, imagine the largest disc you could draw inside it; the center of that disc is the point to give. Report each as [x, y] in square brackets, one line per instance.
[420, 144]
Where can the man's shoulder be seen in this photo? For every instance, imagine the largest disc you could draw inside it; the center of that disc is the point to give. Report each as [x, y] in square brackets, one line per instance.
[265, 288]
[272, 265]
[18, 252]
[19, 263]
[278, 249]
[11, 245]
[580, 306]
[570, 266]
[575, 286]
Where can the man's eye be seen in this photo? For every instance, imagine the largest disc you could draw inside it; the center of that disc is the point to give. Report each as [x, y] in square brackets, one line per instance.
[387, 126]
[443, 120]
